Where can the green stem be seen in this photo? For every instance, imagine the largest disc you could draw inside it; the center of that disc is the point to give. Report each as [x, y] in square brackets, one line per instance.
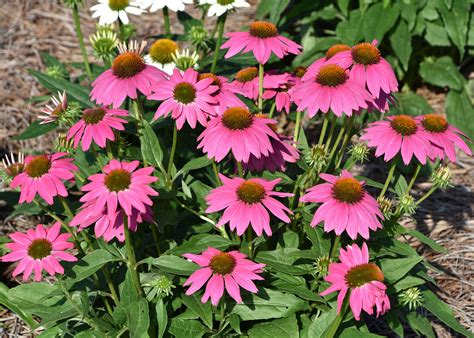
[323, 129]
[336, 144]
[80, 37]
[346, 141]
[173, 150]
[240, 169]
[204, 218]
[156, 238]
[332, 329]
[272, 110]
[334, 247]
[413, 179]
[331, 132]
[260, 88]
[220, 33]
[216, 172]
[389, 178]
[297, 126]
[131, 261]
[249, 241]
[428, 194]
[66, 207]
[108, 148]
[111, 285]
[166, 17]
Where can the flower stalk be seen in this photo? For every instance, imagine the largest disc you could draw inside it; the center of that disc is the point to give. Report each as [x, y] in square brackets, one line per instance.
[80, 37]
[220, 33]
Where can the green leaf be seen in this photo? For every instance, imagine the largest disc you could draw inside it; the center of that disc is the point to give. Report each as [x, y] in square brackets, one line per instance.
[320, 244]
[401, 43]
[442, 72]
[350, 32]
[35, 129]
[27, 209]
[426, 240]
[162, 317]
[278, 6]
[151, 147]
[197, 163]
[410, 103]
[234, 322]
[87, 266]
[379, 20]
[408, 282]
[172, 264]
[436, 35]
[295, 285]
[343, 6]
[267, 304]
[8, 303]
[456, 21]
[201, 242]
[181, 328]
[138, 318]
[444, 313]
[281, 328]
[319, 324]
[420, 324]
[459, 111]
[352, 332]
[203, 311]
[394, 269]
[74, 91]
[282, 260]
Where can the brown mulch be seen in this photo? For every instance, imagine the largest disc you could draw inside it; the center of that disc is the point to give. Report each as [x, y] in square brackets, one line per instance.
[29, 27]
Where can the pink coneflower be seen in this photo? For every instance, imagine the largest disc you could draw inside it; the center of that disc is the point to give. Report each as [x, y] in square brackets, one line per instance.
[109, 227]
[444, 136]
[38, 250]
[128, 74]
[97, 124]
[283, 152]
[331, 89]
[187, 98]
[262, 39]
[278, 86]
[247, 80]
[44, 175]
[246, 202]
[346, 206]
[226, 94]
[120, 186]
[364, 280]
[51, 113]
[398, 134]
[239, 131]
[313, 69]
[369, 68]
[221, 270]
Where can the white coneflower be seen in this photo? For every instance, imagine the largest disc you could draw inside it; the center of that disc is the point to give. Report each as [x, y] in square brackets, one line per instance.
[160, 55]
[111, 10]
[51, 113]
[174, 5]
[219, 7]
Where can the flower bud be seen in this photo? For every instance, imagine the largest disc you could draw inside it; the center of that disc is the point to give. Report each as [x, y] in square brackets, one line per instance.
[441, 177]
[411, 298]
[407, 204]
